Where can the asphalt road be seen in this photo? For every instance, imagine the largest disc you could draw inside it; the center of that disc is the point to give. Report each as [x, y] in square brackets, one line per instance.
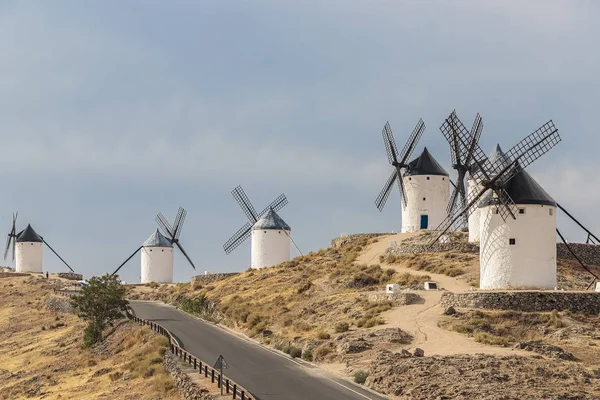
[266, 374]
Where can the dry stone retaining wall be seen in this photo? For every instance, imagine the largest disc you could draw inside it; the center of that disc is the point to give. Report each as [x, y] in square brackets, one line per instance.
[12, 274]
[211, 278]
[188, 389]
[587, 253]
[543, 301]
[398, 299]
[341, 241]
[71, 276]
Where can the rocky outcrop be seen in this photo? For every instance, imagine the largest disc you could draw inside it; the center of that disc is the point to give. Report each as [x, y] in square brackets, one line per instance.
[480, 376]
[59, 304]
[70, 276]
[188, 389]
[360, 341]
[347, 239]
[542, 301]
[545, 349]
[398, 299]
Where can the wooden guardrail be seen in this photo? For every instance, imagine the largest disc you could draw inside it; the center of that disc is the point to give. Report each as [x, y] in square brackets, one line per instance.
[230, 387]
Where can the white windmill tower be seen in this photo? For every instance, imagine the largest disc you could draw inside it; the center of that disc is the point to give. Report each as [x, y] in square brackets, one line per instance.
[517, 217]
[271, 237]
[424, 185]
[157, 250]
[27, 249]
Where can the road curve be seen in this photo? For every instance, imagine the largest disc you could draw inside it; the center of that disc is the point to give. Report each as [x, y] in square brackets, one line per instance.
[266, 374]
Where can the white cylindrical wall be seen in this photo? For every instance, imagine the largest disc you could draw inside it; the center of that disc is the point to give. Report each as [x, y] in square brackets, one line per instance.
[157, 264]
[474, 217]
[269, 247]
[425, 195]
[529, 263]
[28, 257]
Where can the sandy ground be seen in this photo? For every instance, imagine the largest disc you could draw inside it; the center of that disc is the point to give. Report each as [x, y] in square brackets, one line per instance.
[421, 320]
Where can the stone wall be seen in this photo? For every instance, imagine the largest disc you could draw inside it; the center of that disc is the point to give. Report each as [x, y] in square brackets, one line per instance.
[541, 301]
[12, 274]
[398, 299]
[463, 247]
[588, 253]
[210, 278]
[344, 240]
[71, 276]
[188, 389]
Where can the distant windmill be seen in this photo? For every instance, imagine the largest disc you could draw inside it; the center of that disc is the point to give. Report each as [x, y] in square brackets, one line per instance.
[518, 218]
[157, 250]
[270, 234]
[424, 185]
[27, 249]
[462, 161]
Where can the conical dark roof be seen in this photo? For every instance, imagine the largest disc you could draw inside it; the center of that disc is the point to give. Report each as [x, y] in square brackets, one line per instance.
[425, 164]
[523, 189]
[157, 239]
[271, 220]
[28, 235]
[496, 154]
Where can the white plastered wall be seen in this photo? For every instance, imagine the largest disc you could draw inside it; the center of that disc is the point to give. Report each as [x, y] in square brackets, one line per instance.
[474, 217]
[269, 247]
[28, 256]
[531, 261]
[157, 264]
[435, 191]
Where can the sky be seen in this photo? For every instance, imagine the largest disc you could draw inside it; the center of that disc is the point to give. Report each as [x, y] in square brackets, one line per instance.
[113, 111]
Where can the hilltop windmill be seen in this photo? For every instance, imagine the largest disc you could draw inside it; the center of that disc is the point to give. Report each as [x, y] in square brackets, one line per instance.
[424, 185]
[27, 249]
[518, 218]
[157, 250]
[270, 234]
[462, 162]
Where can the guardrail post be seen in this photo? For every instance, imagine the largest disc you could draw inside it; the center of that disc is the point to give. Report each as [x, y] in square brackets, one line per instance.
[195, 361]
[243, 395]
[205, 370]
[219, 381]
[227, 386]
[212, 376]
[234, 390]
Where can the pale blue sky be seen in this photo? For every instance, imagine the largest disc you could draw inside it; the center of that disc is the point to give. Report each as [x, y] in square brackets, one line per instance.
[112, 111]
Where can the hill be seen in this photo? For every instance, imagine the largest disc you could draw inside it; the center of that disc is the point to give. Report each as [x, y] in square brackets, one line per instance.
[41, 355]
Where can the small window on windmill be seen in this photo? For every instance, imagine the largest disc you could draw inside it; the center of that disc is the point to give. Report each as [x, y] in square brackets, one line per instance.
[163, 250]
[521, 211]
[424, 198]
[494, 210]
[409, 178]
[550, 211]
[512, 241]
[443, 179]
[427, 178]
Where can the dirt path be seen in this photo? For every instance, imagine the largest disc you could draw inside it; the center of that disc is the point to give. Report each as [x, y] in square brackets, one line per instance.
[421, 320]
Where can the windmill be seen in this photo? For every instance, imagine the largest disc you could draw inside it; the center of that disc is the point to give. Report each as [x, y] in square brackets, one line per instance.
[462, 161]
[424, 185]
[518, 220]
[27, 249]
[157, 266]
[270, 234]
[398, 160]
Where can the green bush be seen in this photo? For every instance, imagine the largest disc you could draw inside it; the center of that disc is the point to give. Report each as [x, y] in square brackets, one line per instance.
[91, 335]
[360, 376]
[295, 352]
[323, 335]
[342, 327]
[307, 355]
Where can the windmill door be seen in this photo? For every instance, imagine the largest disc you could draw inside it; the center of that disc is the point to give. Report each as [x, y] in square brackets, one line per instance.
[424, 221]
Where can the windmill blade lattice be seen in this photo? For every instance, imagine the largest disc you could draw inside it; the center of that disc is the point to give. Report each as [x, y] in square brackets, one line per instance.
[495, 174]
[172, 232]
[398, 160]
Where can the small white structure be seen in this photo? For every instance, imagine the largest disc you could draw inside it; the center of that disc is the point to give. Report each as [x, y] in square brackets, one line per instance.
[157, 259]
[392, 288]
[597, 286]
[427, 189]
[28, 251]
[473, 187]
[521, 252]
[270, 241]
[430, 286]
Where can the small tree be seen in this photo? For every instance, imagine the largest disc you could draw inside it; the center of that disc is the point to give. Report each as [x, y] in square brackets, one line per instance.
[100, 303]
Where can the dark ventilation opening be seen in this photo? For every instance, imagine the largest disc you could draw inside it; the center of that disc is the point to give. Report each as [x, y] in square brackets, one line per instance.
[512, 241]
[521, 211]
[427, 178]
[424, 198]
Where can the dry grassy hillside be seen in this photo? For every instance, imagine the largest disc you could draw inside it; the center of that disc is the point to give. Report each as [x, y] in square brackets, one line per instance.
[40, 354]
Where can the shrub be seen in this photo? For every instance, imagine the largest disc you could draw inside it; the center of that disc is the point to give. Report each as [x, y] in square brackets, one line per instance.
[307, 355]
[488, 338]
[320, 352]
[342, 327]
[360, 376]
[323, 335]
[115, 376]
[304, 287]
[253, 320]
[302, 326]
[295, 352]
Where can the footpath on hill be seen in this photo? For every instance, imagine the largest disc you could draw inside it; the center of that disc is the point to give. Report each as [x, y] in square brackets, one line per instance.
[421, 320]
